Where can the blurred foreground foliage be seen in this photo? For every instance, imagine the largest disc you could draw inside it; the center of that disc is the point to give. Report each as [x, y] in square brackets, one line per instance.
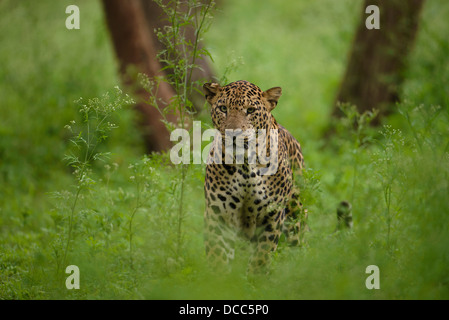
[395, 176]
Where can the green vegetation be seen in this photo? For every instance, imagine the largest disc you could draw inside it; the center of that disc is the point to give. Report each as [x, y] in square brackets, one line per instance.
[115, 213]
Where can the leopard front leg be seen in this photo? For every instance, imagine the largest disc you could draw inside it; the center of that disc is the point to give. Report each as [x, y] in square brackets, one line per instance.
[218, 238]
[265, 241]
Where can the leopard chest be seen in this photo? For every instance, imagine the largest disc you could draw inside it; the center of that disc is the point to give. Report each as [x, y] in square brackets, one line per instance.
[242, 197]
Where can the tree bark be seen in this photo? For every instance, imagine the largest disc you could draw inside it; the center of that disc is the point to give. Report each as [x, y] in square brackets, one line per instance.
[136, 51]
[157, 19]
[374, 73]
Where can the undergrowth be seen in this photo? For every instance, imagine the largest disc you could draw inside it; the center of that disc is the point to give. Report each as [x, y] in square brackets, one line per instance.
[133, 224]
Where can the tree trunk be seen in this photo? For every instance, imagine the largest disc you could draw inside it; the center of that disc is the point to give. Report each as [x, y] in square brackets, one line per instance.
[378, 56]
[136, 51]
[157, 19]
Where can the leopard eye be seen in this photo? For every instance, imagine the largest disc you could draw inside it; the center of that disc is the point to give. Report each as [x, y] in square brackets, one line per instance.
[250, 110]
[223, 109]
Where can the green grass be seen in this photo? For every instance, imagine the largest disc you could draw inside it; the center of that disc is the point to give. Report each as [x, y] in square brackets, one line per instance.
[397, 179]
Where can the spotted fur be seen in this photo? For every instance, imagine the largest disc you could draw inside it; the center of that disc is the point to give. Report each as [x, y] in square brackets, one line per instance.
[240, 201]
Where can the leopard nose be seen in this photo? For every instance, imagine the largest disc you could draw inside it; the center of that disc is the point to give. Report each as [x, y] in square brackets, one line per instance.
[234, 123]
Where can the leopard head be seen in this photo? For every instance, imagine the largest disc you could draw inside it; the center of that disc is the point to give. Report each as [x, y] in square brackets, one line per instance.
[241, 105]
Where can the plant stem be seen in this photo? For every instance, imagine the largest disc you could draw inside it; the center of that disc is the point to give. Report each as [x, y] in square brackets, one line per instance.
[137, 206]
[69, 237]
[180, 210]
[387, 196]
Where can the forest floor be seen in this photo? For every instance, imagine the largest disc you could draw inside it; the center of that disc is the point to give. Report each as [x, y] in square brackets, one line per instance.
[123, 229]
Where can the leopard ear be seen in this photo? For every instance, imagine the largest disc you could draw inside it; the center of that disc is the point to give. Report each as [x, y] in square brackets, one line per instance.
[210, 91]
[273, 95]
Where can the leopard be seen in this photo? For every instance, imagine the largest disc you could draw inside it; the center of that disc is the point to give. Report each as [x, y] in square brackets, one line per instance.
[257, 201]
